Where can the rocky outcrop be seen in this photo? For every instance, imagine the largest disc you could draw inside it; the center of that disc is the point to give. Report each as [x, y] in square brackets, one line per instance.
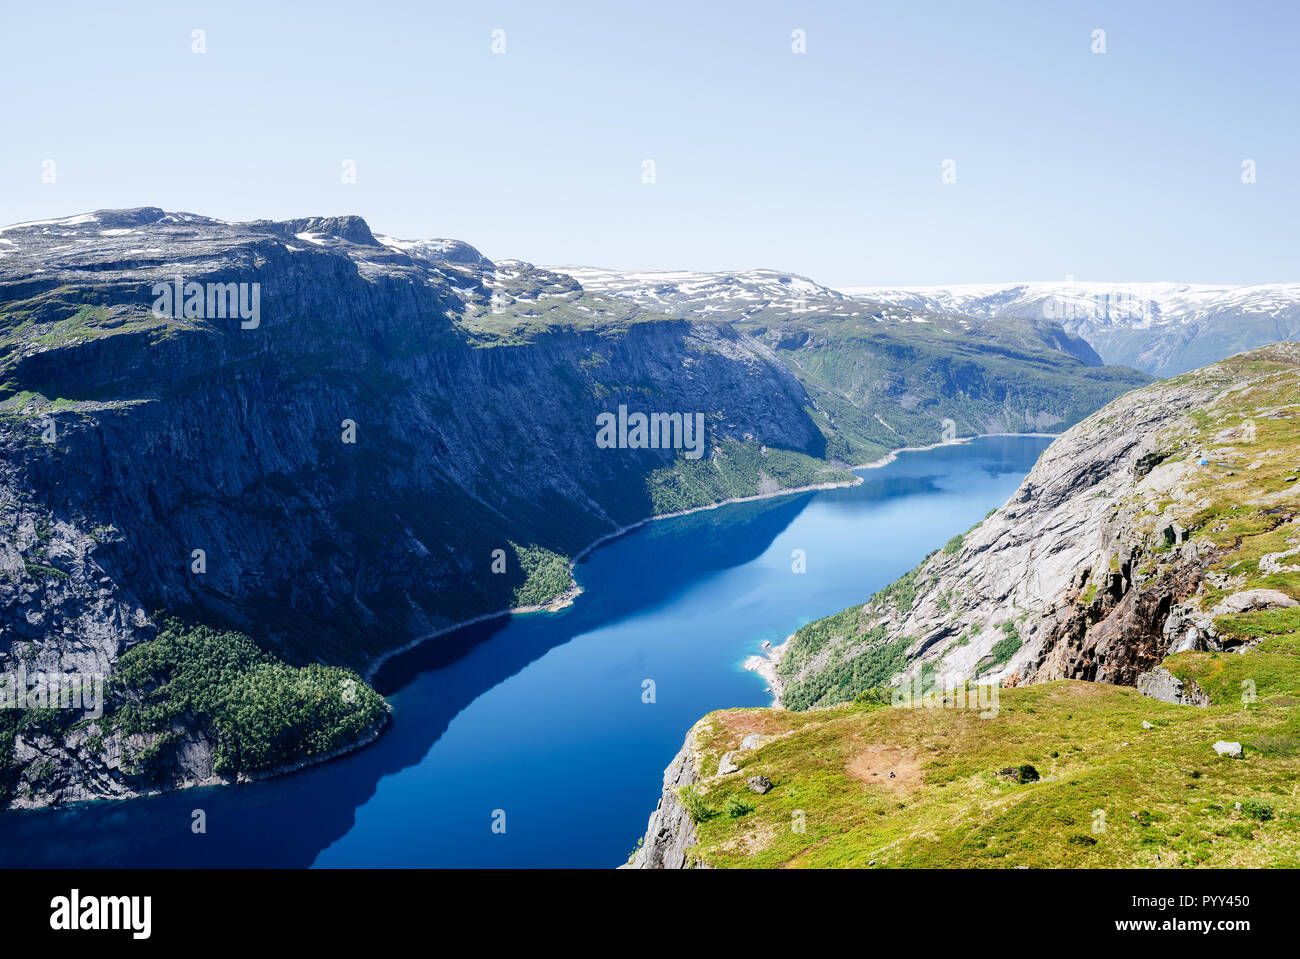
[670, 832]
[1249, 600]
[1161, 684]
[1120, 635]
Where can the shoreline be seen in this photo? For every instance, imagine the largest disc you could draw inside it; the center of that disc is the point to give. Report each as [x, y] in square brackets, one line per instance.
[367, 736]
[765, 664]
[567, 598]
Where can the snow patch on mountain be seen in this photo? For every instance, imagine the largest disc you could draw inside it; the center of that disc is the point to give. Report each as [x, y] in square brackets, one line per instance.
[1160, 327]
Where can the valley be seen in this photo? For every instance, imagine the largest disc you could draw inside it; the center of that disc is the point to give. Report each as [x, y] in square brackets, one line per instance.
[354, 465]
[249, 521]
[547, 716]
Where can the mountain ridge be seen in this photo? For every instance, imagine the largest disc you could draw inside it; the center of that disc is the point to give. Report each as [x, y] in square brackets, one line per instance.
[1161, 328]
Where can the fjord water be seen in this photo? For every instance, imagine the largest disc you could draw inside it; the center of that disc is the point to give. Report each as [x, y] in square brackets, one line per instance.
[541, 718]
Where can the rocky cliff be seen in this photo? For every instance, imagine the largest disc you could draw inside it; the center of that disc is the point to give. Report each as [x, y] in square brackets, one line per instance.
[1103, 562]
[670, 833]
[383, 449]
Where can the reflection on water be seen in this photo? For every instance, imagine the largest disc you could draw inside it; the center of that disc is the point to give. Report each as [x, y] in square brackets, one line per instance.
[542, 716]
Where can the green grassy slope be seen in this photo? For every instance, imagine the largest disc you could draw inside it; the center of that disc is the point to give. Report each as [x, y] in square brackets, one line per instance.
[1124, 780]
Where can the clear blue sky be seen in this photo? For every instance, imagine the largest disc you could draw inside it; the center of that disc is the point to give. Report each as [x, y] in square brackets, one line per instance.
[1119, 166]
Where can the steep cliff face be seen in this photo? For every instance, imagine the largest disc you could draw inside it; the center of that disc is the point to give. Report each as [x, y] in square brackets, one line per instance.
[334, 472]
[1121, 546]
[197, 434]
[670, 833]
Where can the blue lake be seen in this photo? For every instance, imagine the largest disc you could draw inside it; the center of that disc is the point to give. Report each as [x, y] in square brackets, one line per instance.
[542, 716]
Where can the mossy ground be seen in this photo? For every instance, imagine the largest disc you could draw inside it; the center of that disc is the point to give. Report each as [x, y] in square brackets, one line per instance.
[1244, 502]
[1112, 793]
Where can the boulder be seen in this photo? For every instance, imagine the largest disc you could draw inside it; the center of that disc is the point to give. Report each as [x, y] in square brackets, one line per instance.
[726, 766]
[1020, 774]
[1252, 599]
[1163, 685]
[759, 784]
[751, 741]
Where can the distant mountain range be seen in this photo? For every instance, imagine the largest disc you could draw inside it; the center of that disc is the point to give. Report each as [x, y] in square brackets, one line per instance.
[1160, 328]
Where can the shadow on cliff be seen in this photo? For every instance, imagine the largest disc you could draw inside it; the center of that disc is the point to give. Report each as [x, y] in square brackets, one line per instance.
[289, 820]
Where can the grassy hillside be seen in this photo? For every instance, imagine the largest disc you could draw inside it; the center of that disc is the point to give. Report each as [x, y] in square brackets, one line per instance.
[1112, 793]
[1119, 779]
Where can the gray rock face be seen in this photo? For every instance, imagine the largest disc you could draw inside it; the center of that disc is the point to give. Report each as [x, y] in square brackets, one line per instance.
[670, 832]
[1064, 535]
[229, 439]
[172, 434]
[1163, 685]
[759, 784]
[1252, 599]
[1077, 564]
[1189, 628]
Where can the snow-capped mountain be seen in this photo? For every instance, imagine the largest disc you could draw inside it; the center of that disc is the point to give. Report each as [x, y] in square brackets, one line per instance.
[438, 251]
[712, 294]
[1161, 328]
[773, 303]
